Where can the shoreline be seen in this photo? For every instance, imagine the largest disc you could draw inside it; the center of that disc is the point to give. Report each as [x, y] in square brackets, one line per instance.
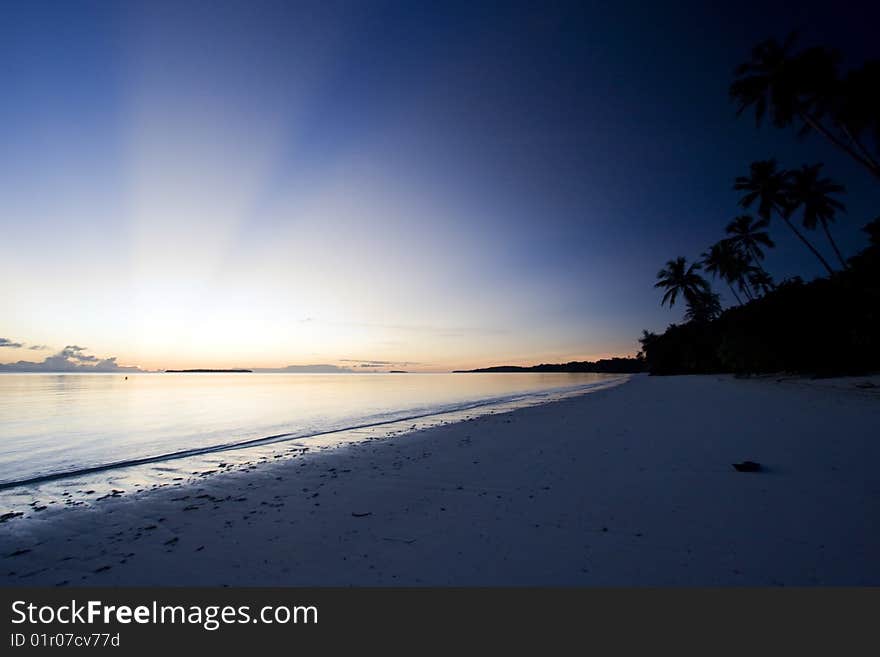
[631, 485]
[52, 489]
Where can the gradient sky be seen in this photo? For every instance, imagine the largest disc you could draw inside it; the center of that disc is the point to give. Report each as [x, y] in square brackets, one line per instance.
[436, 185]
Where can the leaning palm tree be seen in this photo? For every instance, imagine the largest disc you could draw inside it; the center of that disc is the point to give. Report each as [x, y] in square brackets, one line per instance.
[846, 110]
[749, 235]
[760, 281]
[812, 193]
[680, 278]
[724, 260]
[768, 82]
[767, 186]
[798, 87]
[858, 105]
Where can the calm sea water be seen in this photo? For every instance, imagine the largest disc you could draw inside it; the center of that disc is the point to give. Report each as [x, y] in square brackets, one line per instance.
[71, 424]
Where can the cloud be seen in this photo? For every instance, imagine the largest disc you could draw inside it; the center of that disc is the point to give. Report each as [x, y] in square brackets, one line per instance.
[38, 347]
[361, 360]
[6, 342]
[371, 362]
[76, 353]
[72, 358]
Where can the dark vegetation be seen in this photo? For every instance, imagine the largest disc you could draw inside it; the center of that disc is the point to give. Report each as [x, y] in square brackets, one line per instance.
[604, 366]
[830, 325]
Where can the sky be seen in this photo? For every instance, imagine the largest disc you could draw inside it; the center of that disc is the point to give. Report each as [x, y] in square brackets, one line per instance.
[421, 186]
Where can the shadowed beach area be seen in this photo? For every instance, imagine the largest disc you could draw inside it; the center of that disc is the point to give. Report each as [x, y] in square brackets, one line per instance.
[632, 485]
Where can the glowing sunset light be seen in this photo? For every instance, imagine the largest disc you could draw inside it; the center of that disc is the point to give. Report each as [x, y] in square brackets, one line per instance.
[302, 184]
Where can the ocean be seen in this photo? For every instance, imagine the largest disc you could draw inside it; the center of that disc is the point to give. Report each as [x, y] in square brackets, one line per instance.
[64, 434]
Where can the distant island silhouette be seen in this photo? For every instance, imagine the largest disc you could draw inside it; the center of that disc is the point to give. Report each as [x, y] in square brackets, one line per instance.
[604, 366]
[305, 369]
[398, 372]
[207, 371]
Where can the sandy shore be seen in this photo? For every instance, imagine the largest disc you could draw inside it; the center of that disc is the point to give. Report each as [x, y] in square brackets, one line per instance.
[627, 486]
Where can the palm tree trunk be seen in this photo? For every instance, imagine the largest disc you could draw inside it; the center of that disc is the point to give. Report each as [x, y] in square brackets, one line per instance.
[858, 144]
[807, 244]
[769, 284]
[822, 130]
[834, 244]
[735, 295]
[753, 252]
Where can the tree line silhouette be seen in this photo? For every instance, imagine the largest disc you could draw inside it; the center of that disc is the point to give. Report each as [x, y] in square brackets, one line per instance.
[830, 325]
[604, 366]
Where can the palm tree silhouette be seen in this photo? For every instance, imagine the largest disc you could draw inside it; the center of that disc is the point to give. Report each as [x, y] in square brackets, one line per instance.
[679, 278]
[812, 193]
[858, 104]
[704, 307]
[768, 185]
[725, 260]
[804, 87]
[750, 235]
[760, 281]
[767, 81]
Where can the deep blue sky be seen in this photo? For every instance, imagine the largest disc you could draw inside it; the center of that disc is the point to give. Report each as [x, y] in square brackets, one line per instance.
[466, 183]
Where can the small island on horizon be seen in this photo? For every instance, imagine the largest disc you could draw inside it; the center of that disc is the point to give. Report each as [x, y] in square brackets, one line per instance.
[209, 371]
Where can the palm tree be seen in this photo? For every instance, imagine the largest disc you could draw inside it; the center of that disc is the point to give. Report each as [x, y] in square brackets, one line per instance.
[760, 281]
[679, 278]
[704, 307]
[768, 185]
[750, 236]
[766, 81]
[804, 87]
[648, 338]
[850, 104]
[725, 260]
[858, 105]
[812, 193]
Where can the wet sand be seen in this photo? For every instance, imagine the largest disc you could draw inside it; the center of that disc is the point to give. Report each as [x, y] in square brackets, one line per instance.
[627, 486]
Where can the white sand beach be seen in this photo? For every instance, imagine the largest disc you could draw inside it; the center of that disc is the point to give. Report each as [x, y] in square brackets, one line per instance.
[627, 486]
